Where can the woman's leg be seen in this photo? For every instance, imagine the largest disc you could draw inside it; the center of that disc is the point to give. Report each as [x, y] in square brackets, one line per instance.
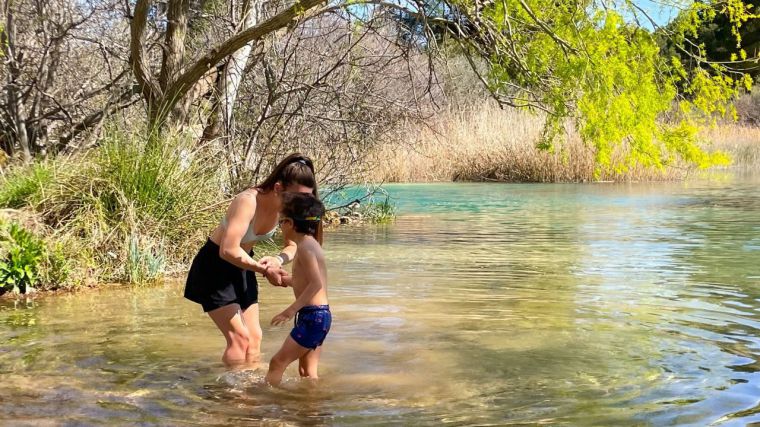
[288, 353]
[309, 362]
[229, 320]
[251, 320]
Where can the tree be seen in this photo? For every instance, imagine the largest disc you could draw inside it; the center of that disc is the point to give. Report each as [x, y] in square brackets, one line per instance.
[58, 80]
[596, 64]
[335, 87]
[176, 77]
[230, 77]
[715, 37]
[599, 65]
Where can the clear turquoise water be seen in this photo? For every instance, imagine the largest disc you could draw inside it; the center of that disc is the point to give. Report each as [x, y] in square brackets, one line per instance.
[487, 304]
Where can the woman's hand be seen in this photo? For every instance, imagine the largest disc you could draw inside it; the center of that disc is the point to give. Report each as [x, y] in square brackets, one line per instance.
[274, 262]
[282, 317]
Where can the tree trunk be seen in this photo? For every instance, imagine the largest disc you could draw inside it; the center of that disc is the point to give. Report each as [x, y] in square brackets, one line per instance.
[174, 43]
[178, 16]
[231, 77]
[12, 89]
[151, 91]
[162, 102]
[51, 56]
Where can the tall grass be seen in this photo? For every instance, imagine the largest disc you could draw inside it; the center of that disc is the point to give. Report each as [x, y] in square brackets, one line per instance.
[741, 142]
[132, 210]
[143, 202]
[485, 143]
[21, 186]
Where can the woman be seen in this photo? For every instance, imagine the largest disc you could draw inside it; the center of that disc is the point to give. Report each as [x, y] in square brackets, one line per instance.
[222, 277]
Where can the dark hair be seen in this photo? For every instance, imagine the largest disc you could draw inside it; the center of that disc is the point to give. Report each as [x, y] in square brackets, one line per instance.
[305, 211]
[294, 169]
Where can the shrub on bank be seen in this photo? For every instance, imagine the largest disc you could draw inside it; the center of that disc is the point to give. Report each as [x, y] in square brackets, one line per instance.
[374, 207]
[20, 264]
[141, 206]
[28, 263]
[128, 210]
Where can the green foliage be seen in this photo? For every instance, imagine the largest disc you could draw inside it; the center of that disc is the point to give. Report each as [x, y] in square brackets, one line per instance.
[126, 192]
[365, 204]
[587, 63]
[143, 264]
[24, 185]
[720, 31]
[56, 269]
[29, 262]
[378, 211]
[111, 210]
[23, 255]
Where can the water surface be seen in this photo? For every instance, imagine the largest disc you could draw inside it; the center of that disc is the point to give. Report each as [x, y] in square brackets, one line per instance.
[602, 304]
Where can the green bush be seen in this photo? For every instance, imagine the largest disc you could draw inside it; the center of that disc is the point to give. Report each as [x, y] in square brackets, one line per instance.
[371, 205]
[126, 192]
[28, 263]
[379, 211]
[112, 209]
[143, 265]
[23, 255]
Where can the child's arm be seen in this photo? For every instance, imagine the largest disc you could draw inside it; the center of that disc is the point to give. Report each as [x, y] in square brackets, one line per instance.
[311, 270]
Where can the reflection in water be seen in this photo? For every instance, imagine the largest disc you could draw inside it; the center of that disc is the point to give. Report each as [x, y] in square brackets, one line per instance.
[481, 304]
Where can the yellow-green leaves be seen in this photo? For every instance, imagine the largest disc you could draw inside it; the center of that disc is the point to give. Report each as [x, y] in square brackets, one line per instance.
[601, 69]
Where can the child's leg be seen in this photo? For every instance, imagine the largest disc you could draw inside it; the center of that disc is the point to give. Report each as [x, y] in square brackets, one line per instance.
[288, 353]
[308, 363]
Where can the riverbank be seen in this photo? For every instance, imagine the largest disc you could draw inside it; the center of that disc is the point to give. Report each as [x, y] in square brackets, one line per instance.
[130, 210]
[486, 144]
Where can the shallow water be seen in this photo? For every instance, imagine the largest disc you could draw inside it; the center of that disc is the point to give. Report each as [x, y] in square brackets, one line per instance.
[599, 304]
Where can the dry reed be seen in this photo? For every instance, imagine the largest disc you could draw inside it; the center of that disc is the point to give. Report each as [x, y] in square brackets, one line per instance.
[489, 144]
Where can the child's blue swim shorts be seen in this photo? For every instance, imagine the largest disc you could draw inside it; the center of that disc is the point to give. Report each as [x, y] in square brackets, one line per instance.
[312, 325]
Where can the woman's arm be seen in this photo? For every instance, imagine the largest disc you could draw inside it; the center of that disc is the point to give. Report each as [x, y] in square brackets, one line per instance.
[239, 216]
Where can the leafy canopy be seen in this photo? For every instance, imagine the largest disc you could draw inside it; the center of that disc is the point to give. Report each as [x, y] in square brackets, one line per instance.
[600, 65]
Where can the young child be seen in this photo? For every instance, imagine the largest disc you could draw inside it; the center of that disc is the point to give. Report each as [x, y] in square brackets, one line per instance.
[300, 221]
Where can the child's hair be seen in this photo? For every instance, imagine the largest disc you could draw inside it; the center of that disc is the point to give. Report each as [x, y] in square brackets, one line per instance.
[294, 169]
[306, 211]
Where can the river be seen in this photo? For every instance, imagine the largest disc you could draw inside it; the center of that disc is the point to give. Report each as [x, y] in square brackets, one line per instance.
[487, 304]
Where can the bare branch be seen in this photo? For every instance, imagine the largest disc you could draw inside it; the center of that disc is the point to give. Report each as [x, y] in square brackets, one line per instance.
[290, 15]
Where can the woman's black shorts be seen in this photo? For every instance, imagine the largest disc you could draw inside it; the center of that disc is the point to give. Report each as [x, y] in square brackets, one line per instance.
[213, 282]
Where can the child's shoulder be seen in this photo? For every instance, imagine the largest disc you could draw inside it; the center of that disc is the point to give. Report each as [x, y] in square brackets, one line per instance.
[312, 247]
